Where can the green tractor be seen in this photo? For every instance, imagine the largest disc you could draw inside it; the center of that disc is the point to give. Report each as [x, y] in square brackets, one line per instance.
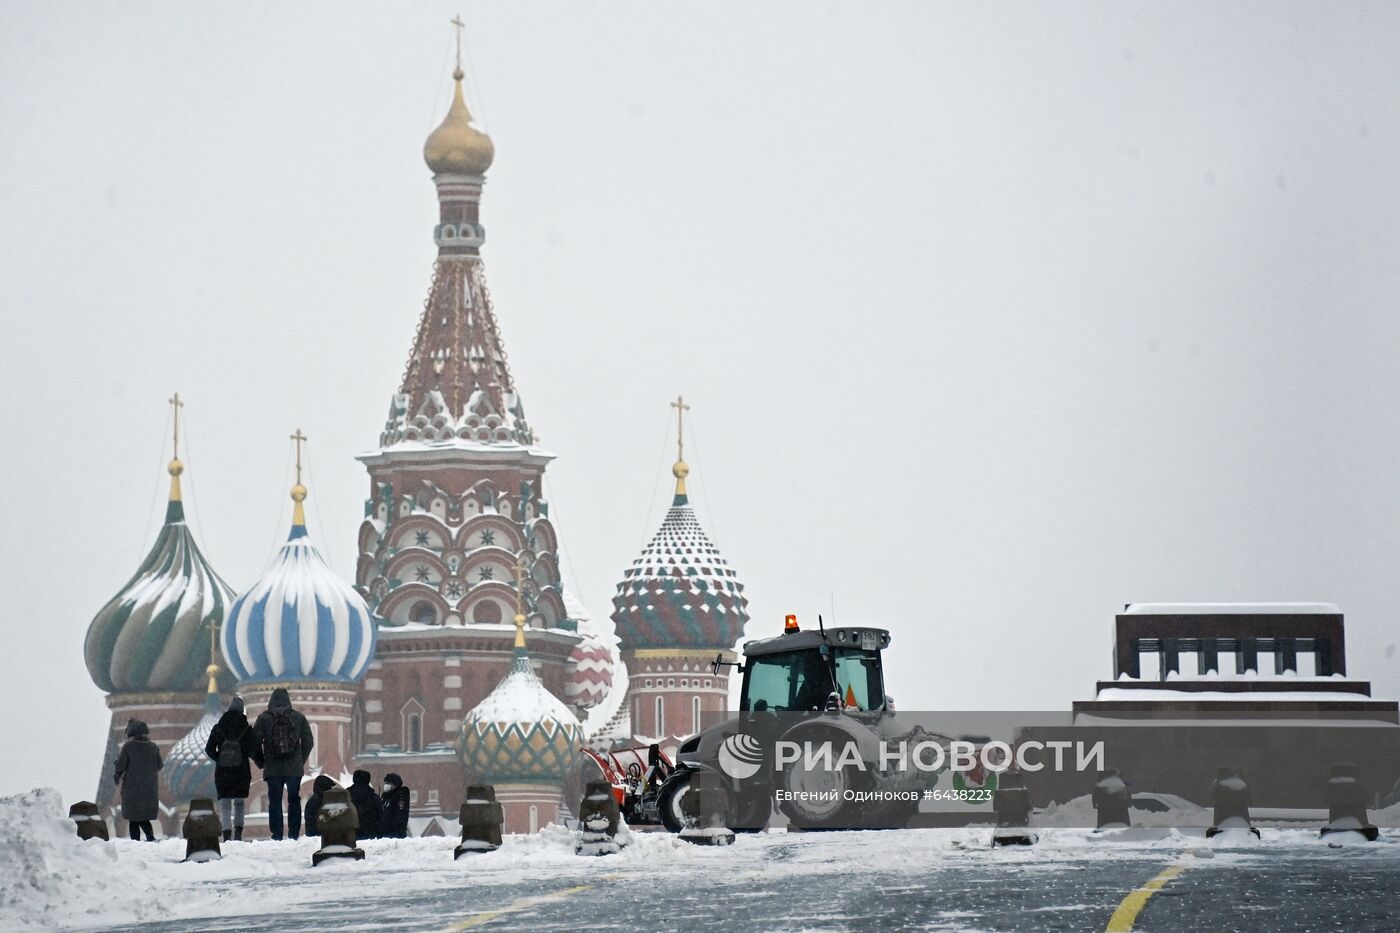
[813, 715]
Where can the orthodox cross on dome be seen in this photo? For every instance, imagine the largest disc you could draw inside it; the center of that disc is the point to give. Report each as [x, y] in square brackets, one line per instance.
[175, 468]
[681, 470]
[457, 27]
[176, 405]
[681, 408]
[299, 439]
[299, 491]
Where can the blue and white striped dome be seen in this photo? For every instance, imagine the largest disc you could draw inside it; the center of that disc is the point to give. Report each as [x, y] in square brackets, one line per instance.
[188, 772]
[299, 621]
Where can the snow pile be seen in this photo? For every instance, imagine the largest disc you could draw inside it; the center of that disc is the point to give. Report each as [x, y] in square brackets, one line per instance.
[1080, 813]
[49, 877]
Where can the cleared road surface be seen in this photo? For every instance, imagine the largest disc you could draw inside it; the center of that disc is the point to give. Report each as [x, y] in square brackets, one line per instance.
[936, 879]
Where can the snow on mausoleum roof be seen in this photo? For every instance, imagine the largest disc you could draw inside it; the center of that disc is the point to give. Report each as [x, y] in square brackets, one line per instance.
[1201, 609]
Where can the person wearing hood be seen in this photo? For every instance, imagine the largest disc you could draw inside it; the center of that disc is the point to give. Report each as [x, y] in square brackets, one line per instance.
[285, 743]
[396, 798]
[232, 745]
[313, 804]
[137, 769]
[367, 805]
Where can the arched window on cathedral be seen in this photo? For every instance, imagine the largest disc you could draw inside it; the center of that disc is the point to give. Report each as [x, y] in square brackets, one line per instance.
[694, 714]
[412, 724]
[660, 716]
[423, 613]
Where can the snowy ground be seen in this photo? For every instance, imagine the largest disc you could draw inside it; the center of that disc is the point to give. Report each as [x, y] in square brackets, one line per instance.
[935, 879]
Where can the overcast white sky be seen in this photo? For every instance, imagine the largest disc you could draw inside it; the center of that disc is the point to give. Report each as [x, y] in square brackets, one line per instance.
[994, 317]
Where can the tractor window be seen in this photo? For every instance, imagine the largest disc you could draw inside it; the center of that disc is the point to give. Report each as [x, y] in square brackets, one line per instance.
[858, 676]
[794, 680]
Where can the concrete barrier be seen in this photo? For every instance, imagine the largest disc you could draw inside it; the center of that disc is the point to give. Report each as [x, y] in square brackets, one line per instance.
[482, 818]
[1346, 804]
[339, 825]
[90, 823]
[1011, 802]
[1111, 801]
[704, 810]
[599, 817]
[1231, 798]
[202, 830]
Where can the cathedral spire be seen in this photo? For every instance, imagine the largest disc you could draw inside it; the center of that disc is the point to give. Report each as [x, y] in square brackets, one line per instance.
[457, 387]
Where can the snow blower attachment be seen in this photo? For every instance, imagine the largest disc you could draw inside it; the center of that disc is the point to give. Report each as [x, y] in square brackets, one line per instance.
[91, 825]
[1111, 800]
[1012, 803]
[201, 831]
[705, 806]
[1232, 800]
[599, 816]
[482, 818]
[337, 823]
[636, 775]
[1346, 804]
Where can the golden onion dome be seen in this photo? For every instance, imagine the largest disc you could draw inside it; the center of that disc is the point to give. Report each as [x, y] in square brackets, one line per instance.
[456, 147]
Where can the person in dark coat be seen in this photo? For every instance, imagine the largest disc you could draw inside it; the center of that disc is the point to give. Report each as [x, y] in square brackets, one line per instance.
[137, 774]
[285, 742]
[395, 822]
[367, 805]
[232, 746]
[313, 804]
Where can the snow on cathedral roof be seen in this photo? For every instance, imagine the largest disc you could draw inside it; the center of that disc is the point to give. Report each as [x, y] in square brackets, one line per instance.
[299, 621]
[148, 637]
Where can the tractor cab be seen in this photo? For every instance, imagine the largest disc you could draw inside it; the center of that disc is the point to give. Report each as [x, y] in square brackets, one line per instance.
[830, 680]
[804, 671]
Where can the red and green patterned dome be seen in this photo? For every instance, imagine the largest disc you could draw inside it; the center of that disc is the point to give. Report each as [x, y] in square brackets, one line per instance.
[681, 592]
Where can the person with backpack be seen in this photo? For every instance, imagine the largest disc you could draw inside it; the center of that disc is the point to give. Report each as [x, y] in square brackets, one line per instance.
[232, 745]
[313, 804]
[367, 805]
[395, 822]
[137, 769]
[285, 739]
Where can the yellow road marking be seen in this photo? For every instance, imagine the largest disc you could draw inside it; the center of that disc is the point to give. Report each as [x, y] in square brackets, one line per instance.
[1127, 913]
[486, 916]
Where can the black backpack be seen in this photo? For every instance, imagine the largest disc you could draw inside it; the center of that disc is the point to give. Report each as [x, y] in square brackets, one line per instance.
[231, 751]
[283, 739]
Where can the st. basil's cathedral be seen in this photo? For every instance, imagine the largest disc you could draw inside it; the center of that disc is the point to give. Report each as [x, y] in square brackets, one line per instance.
[457, 656]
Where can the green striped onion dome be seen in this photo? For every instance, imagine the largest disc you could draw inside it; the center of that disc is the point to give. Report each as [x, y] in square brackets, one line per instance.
[152, 636]
[520, 733]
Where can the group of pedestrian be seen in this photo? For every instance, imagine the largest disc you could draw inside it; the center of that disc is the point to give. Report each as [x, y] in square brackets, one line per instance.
[280, 743]
[380, 815]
